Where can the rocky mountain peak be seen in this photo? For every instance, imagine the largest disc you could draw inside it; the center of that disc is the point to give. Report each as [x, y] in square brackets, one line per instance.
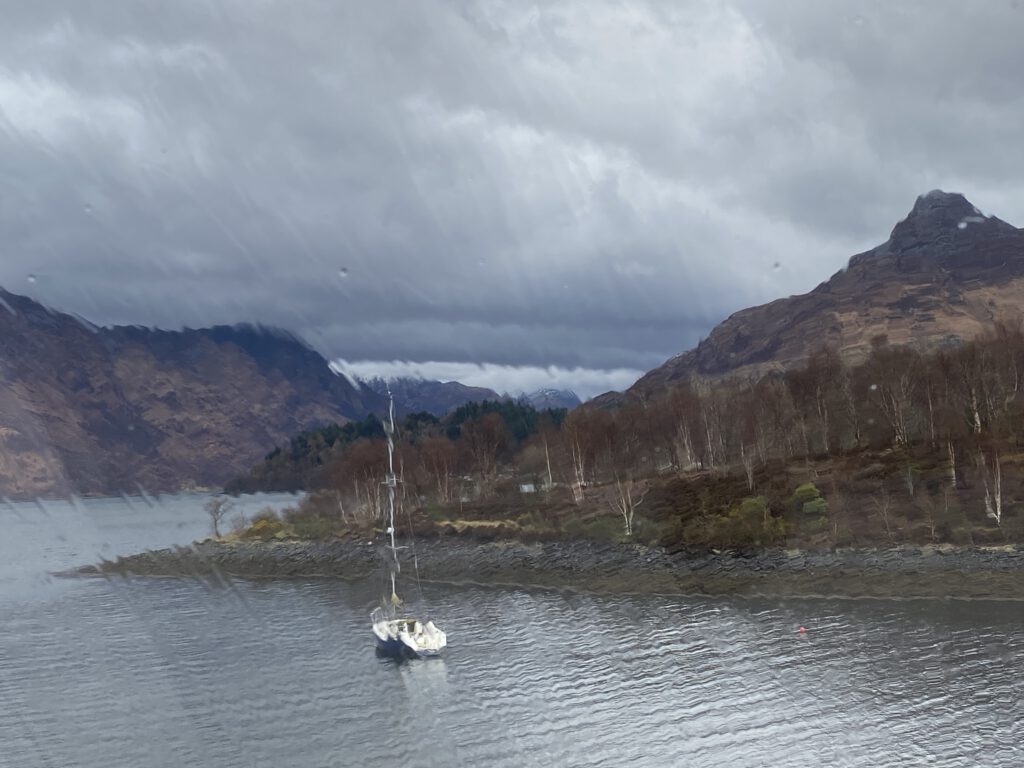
[940, 215]
[945, 274]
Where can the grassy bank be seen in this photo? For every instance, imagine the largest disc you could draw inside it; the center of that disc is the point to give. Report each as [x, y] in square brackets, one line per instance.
[869, 499]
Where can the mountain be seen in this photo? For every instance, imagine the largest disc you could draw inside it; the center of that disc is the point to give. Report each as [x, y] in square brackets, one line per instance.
[944, 275]
[103, 410]
[414, 395]
[543, 399]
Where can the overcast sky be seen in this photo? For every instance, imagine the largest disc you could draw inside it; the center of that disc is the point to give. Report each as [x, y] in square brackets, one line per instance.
[568, 194]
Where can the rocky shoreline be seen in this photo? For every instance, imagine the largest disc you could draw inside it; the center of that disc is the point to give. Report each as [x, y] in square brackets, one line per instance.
[906, 572]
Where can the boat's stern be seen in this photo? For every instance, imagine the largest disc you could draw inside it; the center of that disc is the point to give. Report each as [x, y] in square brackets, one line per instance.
[408, 636]
[427, 639]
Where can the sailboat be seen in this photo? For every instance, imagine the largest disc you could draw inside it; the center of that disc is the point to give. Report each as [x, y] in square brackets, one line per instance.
[398, 634]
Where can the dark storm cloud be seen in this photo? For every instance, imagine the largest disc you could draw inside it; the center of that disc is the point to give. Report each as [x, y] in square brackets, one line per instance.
[585, 185]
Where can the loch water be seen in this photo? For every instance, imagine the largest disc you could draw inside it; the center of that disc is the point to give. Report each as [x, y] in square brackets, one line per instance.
[171, 672]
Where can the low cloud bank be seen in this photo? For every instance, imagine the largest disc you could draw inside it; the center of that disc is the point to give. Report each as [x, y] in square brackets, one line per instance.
[514, 379]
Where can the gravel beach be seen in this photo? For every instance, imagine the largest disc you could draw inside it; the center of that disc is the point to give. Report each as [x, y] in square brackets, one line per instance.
[908, 572]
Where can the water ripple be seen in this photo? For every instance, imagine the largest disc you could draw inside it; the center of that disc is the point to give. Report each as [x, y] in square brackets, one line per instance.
[166, 673]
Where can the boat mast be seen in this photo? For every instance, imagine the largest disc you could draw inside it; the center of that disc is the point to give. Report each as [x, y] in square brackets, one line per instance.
[391, 482]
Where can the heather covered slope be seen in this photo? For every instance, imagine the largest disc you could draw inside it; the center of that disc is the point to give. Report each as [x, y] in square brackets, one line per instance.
[101, 410]
[945, 274]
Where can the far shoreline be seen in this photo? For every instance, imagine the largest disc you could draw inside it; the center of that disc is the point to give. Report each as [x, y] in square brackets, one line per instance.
[906, 572]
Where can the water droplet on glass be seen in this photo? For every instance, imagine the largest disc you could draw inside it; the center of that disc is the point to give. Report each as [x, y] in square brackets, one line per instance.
[31, 278]
[962, 225]
[343, 272]
[776, 265]
[87, 209]
[873, 387]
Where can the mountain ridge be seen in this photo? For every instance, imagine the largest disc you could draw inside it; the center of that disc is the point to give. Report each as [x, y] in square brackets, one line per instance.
[438, 398]
[89, 409]
[106, 409]
[945, 274]
[414, 394]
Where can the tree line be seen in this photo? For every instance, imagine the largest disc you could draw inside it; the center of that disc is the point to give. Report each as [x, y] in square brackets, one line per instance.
[962, 403]
[478, 438]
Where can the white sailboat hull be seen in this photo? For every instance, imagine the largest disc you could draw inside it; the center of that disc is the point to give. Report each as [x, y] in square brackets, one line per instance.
[408, 637]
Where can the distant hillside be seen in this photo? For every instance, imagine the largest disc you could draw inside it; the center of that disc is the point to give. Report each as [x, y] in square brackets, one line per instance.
[553, 398]
[425, 395]
[413, 395]
[101, 410]
[943, 276]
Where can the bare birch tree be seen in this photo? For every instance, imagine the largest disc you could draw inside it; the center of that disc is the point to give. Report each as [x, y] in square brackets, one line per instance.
[218, 509]
[993, 483]
[882, 504]
[624, 497]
